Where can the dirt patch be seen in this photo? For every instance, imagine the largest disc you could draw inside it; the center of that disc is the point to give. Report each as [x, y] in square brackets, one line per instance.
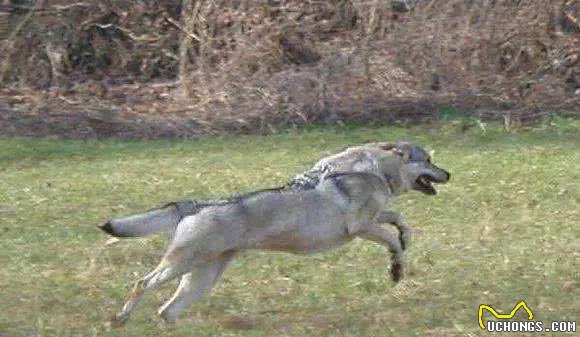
[90, 118]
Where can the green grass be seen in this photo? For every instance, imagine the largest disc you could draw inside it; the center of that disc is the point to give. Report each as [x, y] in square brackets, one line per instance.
[505, 228]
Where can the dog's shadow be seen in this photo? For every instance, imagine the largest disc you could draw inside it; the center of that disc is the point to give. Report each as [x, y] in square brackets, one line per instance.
[319, 320]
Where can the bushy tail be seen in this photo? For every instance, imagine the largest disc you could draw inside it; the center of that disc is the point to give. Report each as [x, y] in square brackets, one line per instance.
[164, 219]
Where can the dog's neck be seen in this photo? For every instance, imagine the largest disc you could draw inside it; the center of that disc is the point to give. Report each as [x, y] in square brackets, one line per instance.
[396, 184]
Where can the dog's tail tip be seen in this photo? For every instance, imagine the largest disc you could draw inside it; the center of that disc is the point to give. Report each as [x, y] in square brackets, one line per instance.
[107, 228]
[397, 271]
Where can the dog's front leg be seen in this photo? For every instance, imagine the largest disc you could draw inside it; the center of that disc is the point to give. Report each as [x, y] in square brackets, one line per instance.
[380, 235]
[398, 221]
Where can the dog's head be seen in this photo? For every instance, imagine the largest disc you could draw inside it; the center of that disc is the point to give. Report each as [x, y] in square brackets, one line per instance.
[416, 171]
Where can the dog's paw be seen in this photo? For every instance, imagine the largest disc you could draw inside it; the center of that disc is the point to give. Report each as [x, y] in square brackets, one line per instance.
[397, 271]
[168, 316]
[118, 320]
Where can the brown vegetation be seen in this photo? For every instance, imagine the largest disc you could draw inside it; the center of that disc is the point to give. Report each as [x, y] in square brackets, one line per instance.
[180, 68]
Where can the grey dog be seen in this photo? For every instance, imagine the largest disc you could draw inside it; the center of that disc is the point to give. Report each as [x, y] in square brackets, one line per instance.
[362, 158]
[341, 207]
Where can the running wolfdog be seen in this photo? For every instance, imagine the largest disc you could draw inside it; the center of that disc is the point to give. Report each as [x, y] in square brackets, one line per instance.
[354, 159]
[341, 207]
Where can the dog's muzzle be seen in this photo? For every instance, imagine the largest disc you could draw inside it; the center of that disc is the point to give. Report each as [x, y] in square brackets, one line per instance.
[424, 183]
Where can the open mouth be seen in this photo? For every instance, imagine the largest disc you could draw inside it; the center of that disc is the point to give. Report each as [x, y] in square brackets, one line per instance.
[425, 185]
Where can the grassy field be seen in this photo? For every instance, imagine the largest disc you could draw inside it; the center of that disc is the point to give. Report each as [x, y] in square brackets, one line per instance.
[506, 228]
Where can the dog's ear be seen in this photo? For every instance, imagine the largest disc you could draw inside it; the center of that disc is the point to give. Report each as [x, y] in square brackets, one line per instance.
[403, 149]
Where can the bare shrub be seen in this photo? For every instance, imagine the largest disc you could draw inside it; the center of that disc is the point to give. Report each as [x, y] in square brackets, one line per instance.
[255, 66]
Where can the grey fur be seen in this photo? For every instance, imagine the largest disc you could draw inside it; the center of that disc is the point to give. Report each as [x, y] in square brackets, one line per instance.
[166, 218]
[342, 206]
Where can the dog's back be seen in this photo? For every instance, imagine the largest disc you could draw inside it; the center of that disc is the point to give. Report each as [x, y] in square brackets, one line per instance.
[337, 195]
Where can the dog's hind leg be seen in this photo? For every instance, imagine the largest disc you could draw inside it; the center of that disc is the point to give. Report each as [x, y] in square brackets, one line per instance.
[380, 235]
[165, 271]
[194, 286]
[398, 221]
